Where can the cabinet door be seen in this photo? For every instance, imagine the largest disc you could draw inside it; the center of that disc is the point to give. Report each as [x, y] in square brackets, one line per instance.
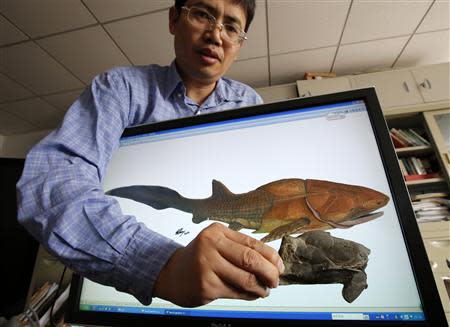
[433, 81]
[307, 88]
[438, 250]
[443, 285]
[438, 124]
[394, 88]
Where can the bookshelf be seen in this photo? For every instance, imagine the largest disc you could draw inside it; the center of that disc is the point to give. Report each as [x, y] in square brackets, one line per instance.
[412, 157]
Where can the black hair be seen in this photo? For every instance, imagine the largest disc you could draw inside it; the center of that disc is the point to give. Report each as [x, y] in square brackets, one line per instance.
[249, 7]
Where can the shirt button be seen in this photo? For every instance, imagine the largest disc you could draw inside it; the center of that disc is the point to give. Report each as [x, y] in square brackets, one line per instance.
[180, 95]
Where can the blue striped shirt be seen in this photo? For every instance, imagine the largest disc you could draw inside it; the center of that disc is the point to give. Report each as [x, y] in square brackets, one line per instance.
[61, 201]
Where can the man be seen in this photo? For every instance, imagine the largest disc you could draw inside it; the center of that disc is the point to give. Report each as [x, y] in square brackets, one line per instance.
[61, 201]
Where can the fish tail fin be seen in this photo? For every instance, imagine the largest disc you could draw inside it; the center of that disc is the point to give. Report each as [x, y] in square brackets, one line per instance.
[158, 197]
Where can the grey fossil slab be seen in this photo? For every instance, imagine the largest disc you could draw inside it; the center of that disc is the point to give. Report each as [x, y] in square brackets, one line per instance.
[316, 257]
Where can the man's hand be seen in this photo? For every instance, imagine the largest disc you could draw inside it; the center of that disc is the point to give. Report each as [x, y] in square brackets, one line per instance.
[219, 263]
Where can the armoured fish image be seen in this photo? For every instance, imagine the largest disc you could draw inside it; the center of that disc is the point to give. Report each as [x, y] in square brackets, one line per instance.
[282, 207]
[316, 257]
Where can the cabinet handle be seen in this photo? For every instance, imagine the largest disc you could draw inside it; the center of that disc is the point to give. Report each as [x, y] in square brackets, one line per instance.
[440, 243]
[447, 157]
[306, 94]
[426, 84]
[405, 85]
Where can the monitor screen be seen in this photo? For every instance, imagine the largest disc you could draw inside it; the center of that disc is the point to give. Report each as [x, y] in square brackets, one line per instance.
[336, 145]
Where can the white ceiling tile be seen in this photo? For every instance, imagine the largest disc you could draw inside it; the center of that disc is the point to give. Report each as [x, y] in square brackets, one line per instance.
[86, 52]
[10, 90]
[151, 42]
[29, 65]
[64, 100]
[418, 53]
[256, 45]
[35, 111]
[373, 19]
[368, 56]
[288, 68]
[114, 9]
[9, 33]
[253, 72]
[43, 17]
[438, 18]
[299, 25]
[11, 124]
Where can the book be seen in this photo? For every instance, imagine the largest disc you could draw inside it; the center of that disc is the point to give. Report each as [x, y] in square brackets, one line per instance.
[401, 137]
[407, 166]
[437, 212]
[433, 196]
[421, 168]
[427, 165]
[416, 134]
[403, 168]
[419, 177]
[413, 170]
[430, 196]
[398, 143]
[431, 219]
[441, 201]
[408, 137]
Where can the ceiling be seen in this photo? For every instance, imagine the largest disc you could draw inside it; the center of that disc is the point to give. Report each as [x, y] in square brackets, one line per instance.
[51, 49]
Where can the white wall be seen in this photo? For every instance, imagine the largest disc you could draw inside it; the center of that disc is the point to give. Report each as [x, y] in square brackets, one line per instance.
[17, 146]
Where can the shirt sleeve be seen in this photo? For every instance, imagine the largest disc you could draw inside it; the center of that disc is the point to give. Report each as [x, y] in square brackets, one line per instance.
[62, 204]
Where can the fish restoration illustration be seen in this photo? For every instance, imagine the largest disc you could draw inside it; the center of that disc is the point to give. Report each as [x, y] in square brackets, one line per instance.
[282, 208]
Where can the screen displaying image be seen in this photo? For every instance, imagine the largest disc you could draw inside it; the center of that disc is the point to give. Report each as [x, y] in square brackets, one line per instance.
[296, 180]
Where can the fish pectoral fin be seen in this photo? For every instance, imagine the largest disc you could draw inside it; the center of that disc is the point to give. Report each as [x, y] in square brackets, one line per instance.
[235, 226]
[287, 229]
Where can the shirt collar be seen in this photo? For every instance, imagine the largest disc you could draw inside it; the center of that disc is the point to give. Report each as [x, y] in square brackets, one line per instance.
[224, 90]
[172, 81]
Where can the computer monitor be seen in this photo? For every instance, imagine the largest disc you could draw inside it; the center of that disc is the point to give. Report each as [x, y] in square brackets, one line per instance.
[335, 144]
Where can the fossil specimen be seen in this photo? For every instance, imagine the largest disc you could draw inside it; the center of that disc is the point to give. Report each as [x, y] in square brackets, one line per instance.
[316, 257]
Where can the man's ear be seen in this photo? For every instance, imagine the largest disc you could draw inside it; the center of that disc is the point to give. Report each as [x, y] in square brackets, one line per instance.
[173, 18]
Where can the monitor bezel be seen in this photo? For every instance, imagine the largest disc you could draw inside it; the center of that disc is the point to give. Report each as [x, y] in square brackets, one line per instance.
[432, 307]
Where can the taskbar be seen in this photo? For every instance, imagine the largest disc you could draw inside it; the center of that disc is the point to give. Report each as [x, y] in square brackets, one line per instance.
[384, 316]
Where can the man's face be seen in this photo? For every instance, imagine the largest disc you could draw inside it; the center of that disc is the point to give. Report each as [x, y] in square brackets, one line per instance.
[203, 55]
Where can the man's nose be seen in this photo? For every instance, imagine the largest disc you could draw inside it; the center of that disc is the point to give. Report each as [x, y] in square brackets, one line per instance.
[215, 33]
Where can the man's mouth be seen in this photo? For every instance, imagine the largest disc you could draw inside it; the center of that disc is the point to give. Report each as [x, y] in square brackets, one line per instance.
[209, 56]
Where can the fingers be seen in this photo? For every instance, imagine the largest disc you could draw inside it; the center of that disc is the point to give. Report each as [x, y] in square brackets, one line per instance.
[263, 249]
[250, 261]
[266, 251]
[243, 282]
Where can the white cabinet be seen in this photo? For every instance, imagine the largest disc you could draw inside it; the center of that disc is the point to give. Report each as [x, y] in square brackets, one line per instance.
[433, 81]
[397, 90]
[307, 88]
[278, 92]
[394, 88]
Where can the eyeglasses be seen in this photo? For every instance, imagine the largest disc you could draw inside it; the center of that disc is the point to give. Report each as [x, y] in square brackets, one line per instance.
[202, 19]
